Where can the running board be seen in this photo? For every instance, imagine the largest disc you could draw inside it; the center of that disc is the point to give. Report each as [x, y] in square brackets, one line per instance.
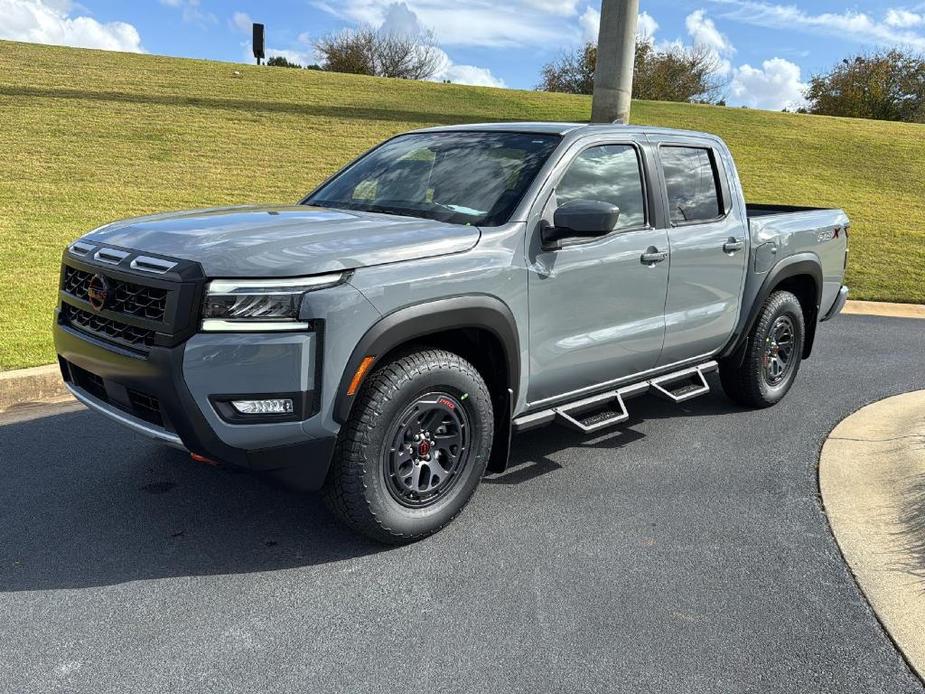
[609, 408]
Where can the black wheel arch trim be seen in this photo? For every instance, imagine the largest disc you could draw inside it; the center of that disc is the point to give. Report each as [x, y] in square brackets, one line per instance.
[419, 320]
[806, 264]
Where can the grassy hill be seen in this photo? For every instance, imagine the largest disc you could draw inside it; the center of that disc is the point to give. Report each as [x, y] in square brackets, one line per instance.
[88, 136]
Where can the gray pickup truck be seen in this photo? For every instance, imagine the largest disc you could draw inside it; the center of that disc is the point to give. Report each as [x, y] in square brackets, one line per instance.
[384, 339]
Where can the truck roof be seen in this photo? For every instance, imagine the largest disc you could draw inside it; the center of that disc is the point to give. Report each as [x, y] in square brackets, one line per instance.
[559, 128]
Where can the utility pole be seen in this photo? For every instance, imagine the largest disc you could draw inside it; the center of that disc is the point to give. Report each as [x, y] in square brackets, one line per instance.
[616, 51]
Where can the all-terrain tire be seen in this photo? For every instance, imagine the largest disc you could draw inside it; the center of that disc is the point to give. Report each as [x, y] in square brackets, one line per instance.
[361, 488]
[750, 381]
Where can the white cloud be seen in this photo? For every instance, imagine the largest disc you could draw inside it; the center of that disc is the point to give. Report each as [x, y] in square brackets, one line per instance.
[903, 19]
[38, 21]
[849, 24]
[399, 20]
[646, 25]
[474, 23]
[299, 57]
[242, 22]
[564, 8]
[775, 85]
[470, 74]
[464, 74]
[704, 33]
[590, 23]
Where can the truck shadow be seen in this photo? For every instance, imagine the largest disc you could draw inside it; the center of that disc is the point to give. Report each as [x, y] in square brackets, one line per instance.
[83, 504]
[530, 451]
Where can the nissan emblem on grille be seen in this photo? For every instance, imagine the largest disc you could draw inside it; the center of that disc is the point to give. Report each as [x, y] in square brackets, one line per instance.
[98, 292]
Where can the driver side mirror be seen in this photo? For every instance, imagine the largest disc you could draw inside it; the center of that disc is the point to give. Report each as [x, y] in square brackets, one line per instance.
[579, 219]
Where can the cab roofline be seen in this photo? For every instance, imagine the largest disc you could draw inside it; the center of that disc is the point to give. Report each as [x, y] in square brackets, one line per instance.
[557, 128]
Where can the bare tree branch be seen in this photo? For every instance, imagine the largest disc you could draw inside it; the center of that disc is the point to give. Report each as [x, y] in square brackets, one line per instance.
[366, 51]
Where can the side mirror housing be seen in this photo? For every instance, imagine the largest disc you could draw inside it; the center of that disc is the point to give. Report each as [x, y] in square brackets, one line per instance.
[580, 219]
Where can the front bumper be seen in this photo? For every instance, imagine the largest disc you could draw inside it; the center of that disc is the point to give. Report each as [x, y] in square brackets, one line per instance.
[839, 304]
[165, 395]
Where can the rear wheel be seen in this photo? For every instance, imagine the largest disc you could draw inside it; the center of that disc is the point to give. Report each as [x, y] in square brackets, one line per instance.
[414, 449]
[773, 352]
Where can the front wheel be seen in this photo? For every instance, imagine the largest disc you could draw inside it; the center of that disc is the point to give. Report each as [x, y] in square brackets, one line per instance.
[414, 449]
[773, 352]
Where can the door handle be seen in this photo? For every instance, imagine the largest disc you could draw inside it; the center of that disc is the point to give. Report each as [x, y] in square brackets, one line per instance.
[733, 245]
[652, 256]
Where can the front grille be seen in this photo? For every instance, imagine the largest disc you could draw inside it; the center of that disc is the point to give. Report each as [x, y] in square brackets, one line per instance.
[115, 331]
[149, 301]
[127, 297]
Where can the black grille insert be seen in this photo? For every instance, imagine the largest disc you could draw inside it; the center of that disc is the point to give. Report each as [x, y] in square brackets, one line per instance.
[127, 297]
[116, 331]
[90, 382]
[146, 407]
[139, 404]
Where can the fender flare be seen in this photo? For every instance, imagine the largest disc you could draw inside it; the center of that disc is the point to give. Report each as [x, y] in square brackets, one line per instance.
[419, 320]
[799, 264]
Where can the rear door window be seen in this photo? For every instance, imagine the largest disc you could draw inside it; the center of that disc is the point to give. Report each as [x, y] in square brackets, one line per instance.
[692, 182]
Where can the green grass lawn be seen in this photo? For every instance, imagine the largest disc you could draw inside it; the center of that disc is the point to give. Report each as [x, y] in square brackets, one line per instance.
[87, 137]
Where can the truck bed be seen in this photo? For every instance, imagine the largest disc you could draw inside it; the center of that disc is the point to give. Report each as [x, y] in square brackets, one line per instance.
[779, 231]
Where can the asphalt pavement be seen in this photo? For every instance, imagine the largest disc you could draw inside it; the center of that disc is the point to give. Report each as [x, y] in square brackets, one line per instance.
[686, 551]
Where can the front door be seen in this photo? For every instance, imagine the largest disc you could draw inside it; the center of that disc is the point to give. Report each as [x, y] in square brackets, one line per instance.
[709, 247]
[597, 306]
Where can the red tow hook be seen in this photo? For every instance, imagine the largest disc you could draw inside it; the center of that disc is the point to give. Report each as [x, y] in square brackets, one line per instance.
[205, 461]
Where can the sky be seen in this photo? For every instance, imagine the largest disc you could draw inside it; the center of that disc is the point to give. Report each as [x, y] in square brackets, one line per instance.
[767, 51]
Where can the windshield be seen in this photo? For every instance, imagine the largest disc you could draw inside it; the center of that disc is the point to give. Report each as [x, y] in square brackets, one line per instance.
[459, 177]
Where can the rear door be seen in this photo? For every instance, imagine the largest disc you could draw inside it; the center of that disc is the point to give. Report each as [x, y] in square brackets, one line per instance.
[596, 306]
[708, 242]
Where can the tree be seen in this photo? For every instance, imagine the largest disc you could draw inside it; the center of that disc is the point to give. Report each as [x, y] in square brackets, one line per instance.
[676, 74]
[280, 61]
[572, 73]
[888, 85]
[369, 52]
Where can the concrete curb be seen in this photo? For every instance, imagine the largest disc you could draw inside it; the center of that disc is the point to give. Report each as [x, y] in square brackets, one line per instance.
[26, 386]
[882, 308]
[872, 479]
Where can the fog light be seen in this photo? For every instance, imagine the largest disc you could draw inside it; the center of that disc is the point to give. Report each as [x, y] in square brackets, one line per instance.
[274, 406]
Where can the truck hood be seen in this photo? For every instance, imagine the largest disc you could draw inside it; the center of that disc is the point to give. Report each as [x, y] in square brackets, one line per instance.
[286, 241]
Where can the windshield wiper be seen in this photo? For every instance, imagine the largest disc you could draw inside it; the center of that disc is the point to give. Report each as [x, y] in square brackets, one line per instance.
[361, 207]
[388, 209]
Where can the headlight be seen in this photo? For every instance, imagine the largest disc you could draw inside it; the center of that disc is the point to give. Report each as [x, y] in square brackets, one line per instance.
[257, 305]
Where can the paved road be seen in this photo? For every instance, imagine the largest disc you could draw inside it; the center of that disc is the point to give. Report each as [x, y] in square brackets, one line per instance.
[686, 552]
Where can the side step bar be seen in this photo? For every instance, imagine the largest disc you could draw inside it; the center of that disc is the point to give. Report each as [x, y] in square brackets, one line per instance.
[609, 408]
